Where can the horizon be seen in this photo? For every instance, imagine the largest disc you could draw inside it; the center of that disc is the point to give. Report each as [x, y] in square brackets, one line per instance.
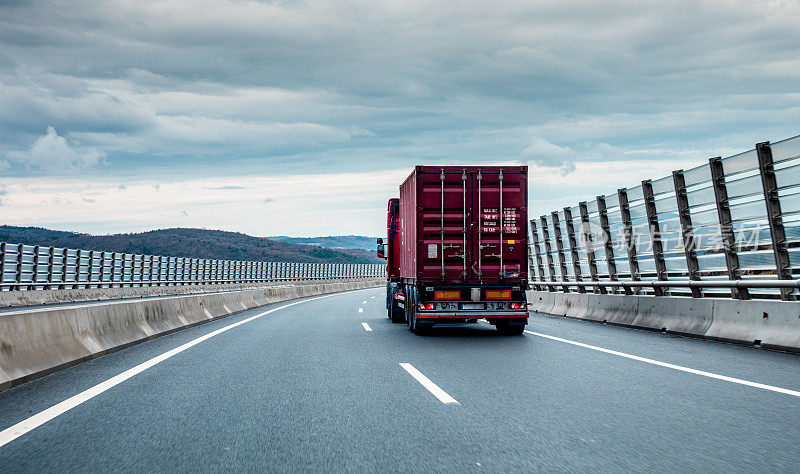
[192, 228]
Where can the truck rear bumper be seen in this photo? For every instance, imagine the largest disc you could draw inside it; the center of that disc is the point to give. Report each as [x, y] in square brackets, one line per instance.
[472, 315]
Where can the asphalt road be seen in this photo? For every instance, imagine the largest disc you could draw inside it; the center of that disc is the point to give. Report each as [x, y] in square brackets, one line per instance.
[309, 388]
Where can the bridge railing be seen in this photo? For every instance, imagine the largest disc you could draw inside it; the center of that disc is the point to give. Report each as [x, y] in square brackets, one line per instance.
[33, 267]
[727, 228]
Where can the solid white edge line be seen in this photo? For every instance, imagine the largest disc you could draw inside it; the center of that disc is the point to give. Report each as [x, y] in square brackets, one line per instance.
[437, 392]
[712, 375]
[13, 432]
[366, 327]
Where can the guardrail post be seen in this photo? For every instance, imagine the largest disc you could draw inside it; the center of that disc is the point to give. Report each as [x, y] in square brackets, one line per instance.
[726, 226]
[129, 268]
[35, 276]
[608, 245]
[539, 264]
[20, 250]
[586, 231]
[103, 279]
[162, 275]
[150, 271]
[51, 257]
[64, 272]
[687, 230]
[2, 264]
[775, 217]
[562, 263]
[573, 247]
[547, 247]
[78, 264]
[113, 269]
[630, 243]
[655, 235]
[170, 271]
[91, 268]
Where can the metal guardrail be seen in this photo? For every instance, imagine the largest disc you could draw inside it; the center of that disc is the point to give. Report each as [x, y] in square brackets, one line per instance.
[730, 227]
[31, 267]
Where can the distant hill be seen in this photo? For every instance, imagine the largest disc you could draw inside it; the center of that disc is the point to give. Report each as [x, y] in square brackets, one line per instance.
[333, 241]
[192, 243]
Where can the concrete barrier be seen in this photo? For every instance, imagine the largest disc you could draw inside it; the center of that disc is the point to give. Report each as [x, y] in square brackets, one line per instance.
[572, 305]
[577, 305]
[560, 304]
[772, 324]
[678, 315]
[612, 309]
[41, 340]
[44, 297]
[541, 301]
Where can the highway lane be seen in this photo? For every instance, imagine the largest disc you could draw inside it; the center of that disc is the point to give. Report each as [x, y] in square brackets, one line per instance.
[308, 387]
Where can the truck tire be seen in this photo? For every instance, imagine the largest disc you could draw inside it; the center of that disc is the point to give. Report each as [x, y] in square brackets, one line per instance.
[414, 326]
[394, 311]
[508, 329]
[411, 307]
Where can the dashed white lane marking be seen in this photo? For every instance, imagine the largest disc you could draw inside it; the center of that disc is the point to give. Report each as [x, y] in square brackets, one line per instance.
[366, 327]
[360, 310]
[10, 434]
[428, 384]
[712, 375]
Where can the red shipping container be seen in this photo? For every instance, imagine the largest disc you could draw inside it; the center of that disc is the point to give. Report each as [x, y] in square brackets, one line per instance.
[464, 225]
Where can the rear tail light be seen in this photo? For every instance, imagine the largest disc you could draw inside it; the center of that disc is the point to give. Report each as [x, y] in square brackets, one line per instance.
[446, 294]
[517, 305]
[498, 294]
[427, 306]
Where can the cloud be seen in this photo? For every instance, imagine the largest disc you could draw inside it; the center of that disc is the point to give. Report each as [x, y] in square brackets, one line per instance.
[52, 153]
[544, 153]
[341, 86]
[55, 202]
[228, 187]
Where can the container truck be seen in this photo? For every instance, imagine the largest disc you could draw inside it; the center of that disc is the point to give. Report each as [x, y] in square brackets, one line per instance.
[457, 248]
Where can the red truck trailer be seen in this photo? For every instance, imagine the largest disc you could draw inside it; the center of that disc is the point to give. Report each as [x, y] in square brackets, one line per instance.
[457, 247]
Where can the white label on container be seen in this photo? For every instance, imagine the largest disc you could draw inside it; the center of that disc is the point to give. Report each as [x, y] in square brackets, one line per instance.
[432, 250]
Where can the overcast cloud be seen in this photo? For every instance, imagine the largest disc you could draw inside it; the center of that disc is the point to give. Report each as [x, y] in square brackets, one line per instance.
[228, 95]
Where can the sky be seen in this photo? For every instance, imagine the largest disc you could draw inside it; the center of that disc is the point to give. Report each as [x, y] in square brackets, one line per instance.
[302, 118]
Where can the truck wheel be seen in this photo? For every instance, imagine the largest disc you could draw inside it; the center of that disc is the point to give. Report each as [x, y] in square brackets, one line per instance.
[406, 307]
[507, 329]
[396, 314]
[394, 311]
[411, 309]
